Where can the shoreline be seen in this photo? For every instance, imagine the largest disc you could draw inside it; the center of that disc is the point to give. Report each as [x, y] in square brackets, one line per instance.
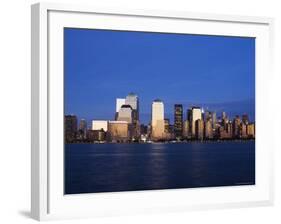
[169, 142]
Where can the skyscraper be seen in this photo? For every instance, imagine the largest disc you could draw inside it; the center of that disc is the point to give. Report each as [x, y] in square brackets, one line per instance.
[196, 115]
[119, 103]
[70, 128]
[178, 120]
[245, 118]
[157, 120]
[214, 120]
[125, 114]
[133, 100]
[251, 130]
[186, 129]
[82, 129]
[199, 129]
[236, 127]
[208, 130]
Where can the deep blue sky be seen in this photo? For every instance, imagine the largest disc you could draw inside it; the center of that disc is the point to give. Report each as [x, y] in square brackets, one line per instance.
[215, 72]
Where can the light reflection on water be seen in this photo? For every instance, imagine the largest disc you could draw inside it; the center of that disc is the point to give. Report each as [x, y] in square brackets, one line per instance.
[125, 167]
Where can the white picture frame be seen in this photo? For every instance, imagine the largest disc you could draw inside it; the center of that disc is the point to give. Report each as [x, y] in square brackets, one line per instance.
[48, 201]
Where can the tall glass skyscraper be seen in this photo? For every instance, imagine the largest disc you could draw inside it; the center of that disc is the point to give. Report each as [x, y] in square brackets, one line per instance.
[157, 120]
[178, 120]
[133, 100]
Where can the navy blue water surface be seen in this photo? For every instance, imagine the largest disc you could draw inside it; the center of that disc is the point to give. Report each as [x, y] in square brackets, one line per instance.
[91, 168]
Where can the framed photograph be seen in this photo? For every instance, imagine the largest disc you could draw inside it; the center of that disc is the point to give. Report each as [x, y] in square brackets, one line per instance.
[137, 111]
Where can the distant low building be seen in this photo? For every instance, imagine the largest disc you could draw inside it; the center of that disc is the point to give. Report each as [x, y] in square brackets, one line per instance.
[96, 135]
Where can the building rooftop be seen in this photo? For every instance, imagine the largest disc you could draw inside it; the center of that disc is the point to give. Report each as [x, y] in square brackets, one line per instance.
[118, 122]
[132, 94]
[126, 106]
[158, 100]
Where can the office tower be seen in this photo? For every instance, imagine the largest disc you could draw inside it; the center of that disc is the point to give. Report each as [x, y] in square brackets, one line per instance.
[70, 128]
[157, 120]
[186, 129]
[208, 130]
[119, 103]
[245, 119]
[133, 101]
[82, 132]
[236, 127]
[178, 120]
[223, 115]
[251, 130]
[167, 125]
[189, 118]
[125, 114]
[199, 129]
[196, 115]
[118, 131]
[229, 129]
[214, 120]
[224, 120]
[208, 116]
[99, 125]
[243, 130]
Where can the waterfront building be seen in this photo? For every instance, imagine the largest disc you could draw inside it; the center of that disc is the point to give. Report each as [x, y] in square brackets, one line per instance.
[99, 125]
[199, 129]
[167, 125]
[96, 135]
[243, 130]
[214, 120]
[178, 120]
[208, 130]
[223, 134]
[82, 130]
[157, 120]
[186, 129]
[229, 129]
[125, 113]
[208, 116]
[236, 127]
[196, 115]
[118, 131]
[245, 119]
[70, 128]
[251, 130]
[223, 115]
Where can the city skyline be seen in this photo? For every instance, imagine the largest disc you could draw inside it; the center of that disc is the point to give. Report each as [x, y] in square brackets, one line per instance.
[192, 123]
[216, 73]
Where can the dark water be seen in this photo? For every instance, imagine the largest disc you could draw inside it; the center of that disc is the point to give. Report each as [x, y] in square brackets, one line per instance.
[93, 168]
